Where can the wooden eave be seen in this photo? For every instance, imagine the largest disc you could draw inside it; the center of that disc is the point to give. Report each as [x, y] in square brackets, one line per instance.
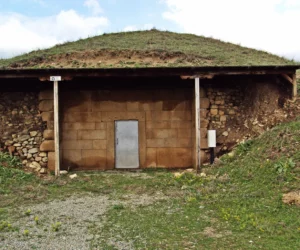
[183, 72]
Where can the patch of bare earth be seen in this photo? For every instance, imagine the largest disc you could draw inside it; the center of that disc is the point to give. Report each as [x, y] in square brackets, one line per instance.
[212, 233]
[112, 58]
[292, 198]
[64, 224]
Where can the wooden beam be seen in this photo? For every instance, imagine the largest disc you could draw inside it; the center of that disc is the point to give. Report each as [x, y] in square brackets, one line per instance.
[288, 78]
[197, 125]
[56, 128]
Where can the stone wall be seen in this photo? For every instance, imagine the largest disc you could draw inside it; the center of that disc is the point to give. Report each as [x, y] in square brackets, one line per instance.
[165, 126]
[237, 107]
[21, 128]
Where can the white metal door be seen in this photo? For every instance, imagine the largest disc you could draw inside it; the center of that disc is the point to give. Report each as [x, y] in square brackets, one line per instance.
[127, 144]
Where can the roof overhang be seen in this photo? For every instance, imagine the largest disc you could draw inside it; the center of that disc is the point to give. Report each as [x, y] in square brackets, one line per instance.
[183, 72]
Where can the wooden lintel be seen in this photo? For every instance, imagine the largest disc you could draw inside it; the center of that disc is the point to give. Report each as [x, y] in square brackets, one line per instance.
[288, 78]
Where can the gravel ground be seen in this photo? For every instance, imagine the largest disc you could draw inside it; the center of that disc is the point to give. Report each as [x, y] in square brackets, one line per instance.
[76, 215]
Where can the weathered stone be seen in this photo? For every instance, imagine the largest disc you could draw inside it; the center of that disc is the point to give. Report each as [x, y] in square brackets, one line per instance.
[38, 159]
[8, 143]
[33, 133]
[25, 150]
[17, 145]
[43, 171]
[231, 112]
[73, 176]
[47, 146]
[42, 154]
[225, 134]
[46, 105]
[24, 138]
[47, 116]
[63, 172]
[214, 111]
[223, 118]
[24, 162]
[33, 150]
[49, 134]
[34, 165]
[45, 159]
[29, 156]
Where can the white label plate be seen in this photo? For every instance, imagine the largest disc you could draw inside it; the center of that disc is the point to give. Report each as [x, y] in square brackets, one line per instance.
[55, 78]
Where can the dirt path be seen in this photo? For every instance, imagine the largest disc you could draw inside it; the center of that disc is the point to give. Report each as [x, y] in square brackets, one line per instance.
[66, 224]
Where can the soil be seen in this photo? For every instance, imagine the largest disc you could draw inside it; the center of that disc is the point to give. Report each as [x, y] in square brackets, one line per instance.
[106, 58]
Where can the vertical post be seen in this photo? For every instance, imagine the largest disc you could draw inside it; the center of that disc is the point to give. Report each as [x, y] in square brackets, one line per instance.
[197, 124]
[294, 86]
[56, 129]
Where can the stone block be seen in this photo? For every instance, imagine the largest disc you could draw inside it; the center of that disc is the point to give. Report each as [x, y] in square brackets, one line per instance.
[203, 144]
[178, 143]
[133, 106]
[112, 116]
[109, 106]
[46, 105]
[94, 159]
[185, 133]
[203, 132]
[46, 95]
[47, 116]
[151, 158]
[214, 111]
[181, 124]
[48, 134]
[181, 115]
[69, 135]
[161, 116]
[51, 161]
[47, 146]
[204, 103]
[164, 133]
[99, 144]
[50, 125]
[79, 126]
[223, 118]
[82, 117]
[77, 144]
[71, 158]
[91, 134]
[157, 124]
[101, 125]
[155, 143]
[204, 123]
[174, 157]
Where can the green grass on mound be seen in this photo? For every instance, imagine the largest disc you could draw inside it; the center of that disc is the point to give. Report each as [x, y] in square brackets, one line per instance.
[191, 50]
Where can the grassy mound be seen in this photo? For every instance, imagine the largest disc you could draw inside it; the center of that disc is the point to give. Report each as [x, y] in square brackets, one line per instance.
[144, 49]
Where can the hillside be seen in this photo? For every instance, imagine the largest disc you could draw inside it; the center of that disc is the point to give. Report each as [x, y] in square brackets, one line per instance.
[249, 200]
[151, 48]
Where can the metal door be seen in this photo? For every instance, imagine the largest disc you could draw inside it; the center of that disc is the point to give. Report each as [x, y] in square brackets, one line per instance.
[127, 144]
